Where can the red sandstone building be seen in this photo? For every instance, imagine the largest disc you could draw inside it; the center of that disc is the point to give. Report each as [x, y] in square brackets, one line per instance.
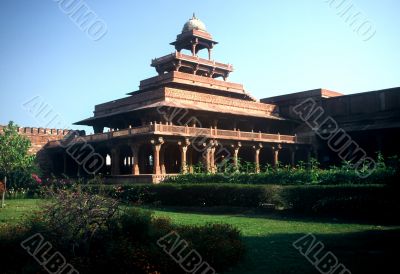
[190, 115]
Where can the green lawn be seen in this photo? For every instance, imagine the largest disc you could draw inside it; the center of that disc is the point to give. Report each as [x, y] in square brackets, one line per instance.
[362, 248]
[16, 209]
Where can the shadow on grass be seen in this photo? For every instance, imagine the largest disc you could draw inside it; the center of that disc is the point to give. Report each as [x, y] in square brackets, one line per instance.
[361, 252]
[286, 215]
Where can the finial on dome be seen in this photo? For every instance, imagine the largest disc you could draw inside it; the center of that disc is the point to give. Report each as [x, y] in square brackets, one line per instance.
[194, 24]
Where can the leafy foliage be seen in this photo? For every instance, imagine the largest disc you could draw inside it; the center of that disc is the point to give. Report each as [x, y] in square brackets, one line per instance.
[15, 161]
[299, 175]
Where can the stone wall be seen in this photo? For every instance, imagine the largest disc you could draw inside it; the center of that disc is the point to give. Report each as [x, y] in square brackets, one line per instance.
[39, 136]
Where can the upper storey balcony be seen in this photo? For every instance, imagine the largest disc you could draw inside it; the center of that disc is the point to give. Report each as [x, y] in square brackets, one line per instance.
[191, 64]
[197, 133]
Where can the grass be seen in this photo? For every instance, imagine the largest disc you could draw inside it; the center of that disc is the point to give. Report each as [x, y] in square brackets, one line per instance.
[362, 248]
[16, 209]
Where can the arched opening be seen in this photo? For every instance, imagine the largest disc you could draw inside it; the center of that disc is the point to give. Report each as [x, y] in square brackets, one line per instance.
[266, 157]
[223, 158]
[125, 159]
[145, 159]
[195, 159]
[246, 159]
[104, 151]
[284, 157]
[172, 158]
[301, 156]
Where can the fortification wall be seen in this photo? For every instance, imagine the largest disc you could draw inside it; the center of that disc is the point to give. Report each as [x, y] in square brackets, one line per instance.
[40, 136]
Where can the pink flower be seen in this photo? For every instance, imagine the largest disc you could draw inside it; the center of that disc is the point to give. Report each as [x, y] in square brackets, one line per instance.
[36, 178]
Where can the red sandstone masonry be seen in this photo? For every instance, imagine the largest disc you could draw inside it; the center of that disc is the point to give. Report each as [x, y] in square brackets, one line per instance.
[39, 137]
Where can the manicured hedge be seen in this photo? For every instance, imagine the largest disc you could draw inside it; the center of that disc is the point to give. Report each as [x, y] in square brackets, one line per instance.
[291, 176]
[342, 200]
[358, 201]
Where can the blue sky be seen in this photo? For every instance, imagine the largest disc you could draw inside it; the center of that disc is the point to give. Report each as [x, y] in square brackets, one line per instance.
[276, 47]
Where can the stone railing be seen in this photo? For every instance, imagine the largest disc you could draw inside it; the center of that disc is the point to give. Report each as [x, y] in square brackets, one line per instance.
[194, 59]
[186, 131]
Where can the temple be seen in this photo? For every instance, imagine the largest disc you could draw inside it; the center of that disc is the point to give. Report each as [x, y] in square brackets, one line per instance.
[191, 117]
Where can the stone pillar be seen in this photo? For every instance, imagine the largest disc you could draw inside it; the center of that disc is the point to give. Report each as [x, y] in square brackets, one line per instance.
[162, 161]
[115, 161]
[236, 148]
[194, 45]
[212, 159]
[209, 156]
[257, 149]
[156, 143]
[275, 152]
[208, 160]
[190, 160]
[135, 159]
[183, 147]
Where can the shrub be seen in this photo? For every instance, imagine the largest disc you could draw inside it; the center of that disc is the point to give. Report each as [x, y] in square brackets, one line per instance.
[293, 176]
[194, 194]
[77, 216]
[212, 239]
[96, 238]
[355, 201]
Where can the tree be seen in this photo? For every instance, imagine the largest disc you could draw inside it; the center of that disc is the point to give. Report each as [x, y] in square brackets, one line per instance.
[14, 154]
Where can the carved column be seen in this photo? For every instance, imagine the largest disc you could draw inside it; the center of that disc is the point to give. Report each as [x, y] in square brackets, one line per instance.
[209, 156]
[135, 157]
[156, 143]
[206, 156]
[162, 160]
[183, 146]
[212, 159]
[115, 161]
[275, 152]
[236, 148]
[190, 160]
[257, 149]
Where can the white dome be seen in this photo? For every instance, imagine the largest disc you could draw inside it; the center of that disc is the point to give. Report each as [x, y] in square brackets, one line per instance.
[194, 23]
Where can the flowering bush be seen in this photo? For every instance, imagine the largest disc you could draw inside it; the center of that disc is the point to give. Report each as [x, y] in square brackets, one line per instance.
[36, 178]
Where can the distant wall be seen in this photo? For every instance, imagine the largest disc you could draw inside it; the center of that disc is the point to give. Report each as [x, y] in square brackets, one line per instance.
[387, 100]
[39, 136]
